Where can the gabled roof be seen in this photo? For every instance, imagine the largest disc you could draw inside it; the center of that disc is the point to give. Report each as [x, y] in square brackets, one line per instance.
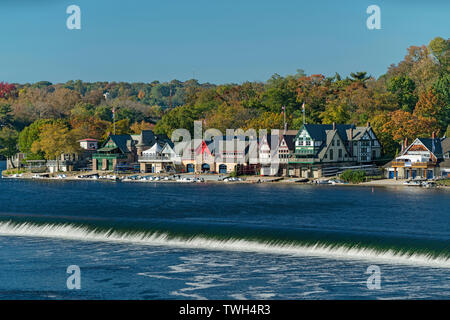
[148, 138]
[289, 139]
[346, 132]
[120, 140]
[90, 140]
[156, 148]
[319, 131]
[269, 140]
[434, 145]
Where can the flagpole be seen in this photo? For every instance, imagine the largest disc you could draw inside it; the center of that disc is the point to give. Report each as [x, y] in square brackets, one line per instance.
[303, 107]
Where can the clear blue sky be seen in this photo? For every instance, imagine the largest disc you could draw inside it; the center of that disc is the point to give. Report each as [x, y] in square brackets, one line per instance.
[216, 41]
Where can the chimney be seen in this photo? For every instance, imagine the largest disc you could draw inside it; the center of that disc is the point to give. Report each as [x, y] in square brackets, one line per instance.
[334, 125]
[433, 135]
[351, 141]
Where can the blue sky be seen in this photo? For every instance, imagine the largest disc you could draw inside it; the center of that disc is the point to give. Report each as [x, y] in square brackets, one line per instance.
[213, 41]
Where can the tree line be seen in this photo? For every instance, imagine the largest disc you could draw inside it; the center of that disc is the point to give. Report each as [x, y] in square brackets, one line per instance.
[412, 99]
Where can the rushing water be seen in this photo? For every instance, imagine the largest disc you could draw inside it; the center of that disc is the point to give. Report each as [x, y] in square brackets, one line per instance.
[218, 241]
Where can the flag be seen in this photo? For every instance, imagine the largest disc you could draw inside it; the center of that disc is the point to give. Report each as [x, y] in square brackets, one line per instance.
[113, 111]
[283, 108]
[303, 107]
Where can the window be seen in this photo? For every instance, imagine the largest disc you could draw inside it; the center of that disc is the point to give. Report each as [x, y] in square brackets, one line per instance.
[340, 153]
[332, 142]
[338, 143]
[331, 154]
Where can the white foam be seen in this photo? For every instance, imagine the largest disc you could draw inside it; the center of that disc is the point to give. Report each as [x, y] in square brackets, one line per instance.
[74, 232]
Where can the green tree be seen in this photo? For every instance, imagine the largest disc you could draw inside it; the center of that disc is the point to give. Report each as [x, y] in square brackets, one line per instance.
[404, 89]
[440, 48]
[30, 135]
[6, 116]
[8, 143]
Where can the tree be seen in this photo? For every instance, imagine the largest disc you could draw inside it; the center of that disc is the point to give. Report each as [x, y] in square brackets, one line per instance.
[440, 48]
[178, 118]
[360, 76]
[55, 139]
[378, 122]
[403, 125]
[122, 127]
[91, 127]
[8, 143]
[267, 120]
[403, 87]
[335, 112]
[428, 105]
[29, 135]
[6, 116]
[6, 90]
[138, 127]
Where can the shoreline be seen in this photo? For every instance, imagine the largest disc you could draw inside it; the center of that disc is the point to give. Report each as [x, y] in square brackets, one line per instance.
[210, 178]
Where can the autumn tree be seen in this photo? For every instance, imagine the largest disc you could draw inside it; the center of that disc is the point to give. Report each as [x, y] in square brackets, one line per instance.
[29, 135]
[138, 127]
[6, 90]
[267, 120]
[121, 127]
[92, 127]
[402, 124]
[55, 139]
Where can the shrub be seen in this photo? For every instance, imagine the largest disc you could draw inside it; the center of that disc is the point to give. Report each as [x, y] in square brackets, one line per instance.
[347, 175]
[353, 176]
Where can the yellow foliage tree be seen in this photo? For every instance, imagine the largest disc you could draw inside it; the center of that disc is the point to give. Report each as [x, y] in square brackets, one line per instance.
[138, 127]
[55, 139]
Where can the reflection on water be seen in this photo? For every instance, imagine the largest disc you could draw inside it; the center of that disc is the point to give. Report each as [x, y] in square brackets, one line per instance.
[2, 166]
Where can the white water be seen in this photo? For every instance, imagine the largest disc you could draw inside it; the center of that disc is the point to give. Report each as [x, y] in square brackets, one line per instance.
[73, 232]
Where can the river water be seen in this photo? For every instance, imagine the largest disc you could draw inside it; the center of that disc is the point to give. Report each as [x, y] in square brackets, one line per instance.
[219, 241]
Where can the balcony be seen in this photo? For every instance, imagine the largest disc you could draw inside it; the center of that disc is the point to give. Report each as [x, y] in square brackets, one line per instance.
[156, 158]
[408, 164]
[398, 164]
[423, 165]
[301, 160]
[109, 156]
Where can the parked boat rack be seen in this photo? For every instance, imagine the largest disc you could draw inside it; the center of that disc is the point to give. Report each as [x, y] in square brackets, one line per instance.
[370, 169]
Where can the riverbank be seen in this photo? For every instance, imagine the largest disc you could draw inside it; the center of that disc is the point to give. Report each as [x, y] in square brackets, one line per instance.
[202, 178]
